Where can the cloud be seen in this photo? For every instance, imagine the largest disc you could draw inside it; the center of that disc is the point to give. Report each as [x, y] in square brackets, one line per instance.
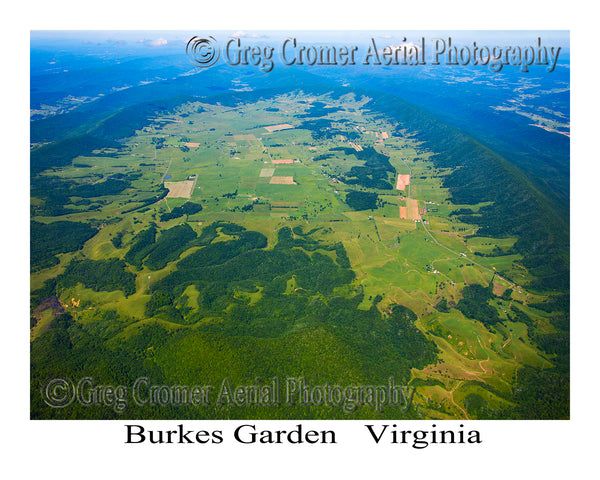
[242, 34]
[158, 42]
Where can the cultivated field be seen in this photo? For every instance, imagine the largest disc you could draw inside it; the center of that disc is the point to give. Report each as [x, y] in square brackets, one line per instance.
[282, 181]
[267, 172]
[276, 128]
[412, 209]
[180, 189]
[285, 161]
[403, 182]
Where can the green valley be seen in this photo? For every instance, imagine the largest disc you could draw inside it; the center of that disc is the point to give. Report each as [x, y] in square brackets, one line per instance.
[340, 235]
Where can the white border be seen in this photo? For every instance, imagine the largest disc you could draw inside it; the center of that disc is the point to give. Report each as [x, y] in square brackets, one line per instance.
[96, 450]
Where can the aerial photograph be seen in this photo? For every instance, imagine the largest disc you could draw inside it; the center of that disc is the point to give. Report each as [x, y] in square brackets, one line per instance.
[299, 225]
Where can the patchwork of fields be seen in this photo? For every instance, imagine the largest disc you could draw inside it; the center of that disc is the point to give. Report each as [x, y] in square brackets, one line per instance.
[326, 179]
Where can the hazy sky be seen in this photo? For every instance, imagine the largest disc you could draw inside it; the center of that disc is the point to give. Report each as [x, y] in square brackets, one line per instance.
[489, 37]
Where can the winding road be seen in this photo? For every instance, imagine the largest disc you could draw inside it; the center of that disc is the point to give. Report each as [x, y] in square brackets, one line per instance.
[465, 257]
